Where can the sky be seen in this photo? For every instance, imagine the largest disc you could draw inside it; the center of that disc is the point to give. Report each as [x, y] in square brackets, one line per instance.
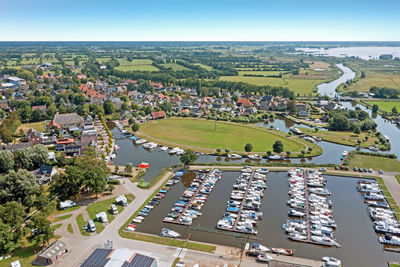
[204, 20]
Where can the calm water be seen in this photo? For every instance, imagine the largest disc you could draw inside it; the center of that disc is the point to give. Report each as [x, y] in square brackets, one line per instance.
[330, 88]
[360, 246]
[366, 52]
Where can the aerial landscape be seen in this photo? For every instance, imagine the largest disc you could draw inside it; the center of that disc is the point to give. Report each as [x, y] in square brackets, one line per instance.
[151, 133]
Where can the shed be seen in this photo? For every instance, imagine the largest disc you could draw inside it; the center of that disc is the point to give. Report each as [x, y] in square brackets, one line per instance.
[52, 253]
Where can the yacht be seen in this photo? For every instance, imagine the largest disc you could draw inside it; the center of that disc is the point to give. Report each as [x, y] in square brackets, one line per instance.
[255, 156]
[234, 156]
[140, 141]
[165, 232]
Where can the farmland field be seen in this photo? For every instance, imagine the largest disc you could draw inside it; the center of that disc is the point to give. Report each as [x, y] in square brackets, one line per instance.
[375, 163]
[385, 105]
[303, 87]
[175, 66]
[136, 64]
[203, 66]
[199, 134]
[379, 79]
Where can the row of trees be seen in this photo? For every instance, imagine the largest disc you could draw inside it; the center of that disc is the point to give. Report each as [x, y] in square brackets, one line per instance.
[29, 158]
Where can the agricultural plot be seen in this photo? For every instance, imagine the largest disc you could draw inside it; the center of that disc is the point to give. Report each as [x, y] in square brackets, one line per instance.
[385, 105]
[136, 64]
[379, 79]
[175, 66]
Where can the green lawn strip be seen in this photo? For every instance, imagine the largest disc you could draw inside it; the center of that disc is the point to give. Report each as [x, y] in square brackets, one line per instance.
[70, 229]
[398, 178]
[25, 254]
[56, 226]
[61, 218]
[67, 210]
[104, 205]
[138, 176]
[148, 185]
[177, 259]
[169, 241]
[394, 264]
[81, 223]
[375, 163]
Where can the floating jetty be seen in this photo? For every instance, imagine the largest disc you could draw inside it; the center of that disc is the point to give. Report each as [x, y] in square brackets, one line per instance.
[301, 184]
[184, 211]
[242, 209]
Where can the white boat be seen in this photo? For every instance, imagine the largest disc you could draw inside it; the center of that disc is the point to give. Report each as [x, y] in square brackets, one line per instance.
[344, 154]
[255, 156]
[150, 145]
[164, 148]
[234, 156]
[264, 258]
[140, 141]
[276, 157]
[331, 261]
[113, 156]
[262, 170]
[165, 232]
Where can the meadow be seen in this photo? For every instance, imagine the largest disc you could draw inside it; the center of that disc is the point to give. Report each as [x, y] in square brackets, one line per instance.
[385, 105]
[174, 66]
[136, 65]
[203, 134]
[375, 163]
[379, 79]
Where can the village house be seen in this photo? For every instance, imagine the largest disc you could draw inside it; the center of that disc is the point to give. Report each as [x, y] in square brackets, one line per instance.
[244, 102]
[34, 137]
[158, 115]
[66, 121]
[52, 253]
[45, 173]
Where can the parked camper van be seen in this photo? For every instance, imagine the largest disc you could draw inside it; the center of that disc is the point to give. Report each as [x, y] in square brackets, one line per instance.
[91, 227]
[114, 209]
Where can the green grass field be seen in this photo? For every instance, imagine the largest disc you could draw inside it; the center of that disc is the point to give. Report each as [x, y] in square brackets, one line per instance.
[385, 105]
[104, 205]
[202, 134]
[175, 66]
[379, 79]
[38, 126]
[206, 67]
[303, 87]
[136, 64]
[375, 163]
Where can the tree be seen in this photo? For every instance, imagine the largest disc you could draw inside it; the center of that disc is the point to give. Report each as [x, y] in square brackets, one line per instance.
[303, 152]
[41, 230]
[227, 150]
[108, 107]
[76, 134]
[18, 186]
[37, 115]
[375, 108]
[278, 147]
[219, 149]
[6, 161]
[269, 153]
[116, 168]
[248, 147]
[394, 110]
[288, 153]
[61, 159]
[110, 188]
[6, 135]
[135, 127]
[291, 107]
[128, 168]
[188, 157]
[339, 122]
[310, 149]
[363, 75]
[357, 129]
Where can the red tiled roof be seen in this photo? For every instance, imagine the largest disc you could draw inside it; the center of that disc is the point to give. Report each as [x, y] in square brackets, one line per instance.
[244, 102]
[158, 114]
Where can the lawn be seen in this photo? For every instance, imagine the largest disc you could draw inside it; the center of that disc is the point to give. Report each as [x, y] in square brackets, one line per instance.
[136, 65]
[375, 163]
[38, 126]
[343, 137]
[385, 106]
[303, 87]
[70, 229]
[104, 205]
[174, 66]
[201, 135]
[81, 223]
[206, 67]
[379, 79]
[61, 218]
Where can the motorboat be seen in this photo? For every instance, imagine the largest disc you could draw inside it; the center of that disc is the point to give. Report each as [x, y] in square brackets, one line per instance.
[255, 157]
[164, 148]
[262, 170]
[331, 262]
[276, 157]
[150, 145]
[259, 247]
[140, 141]
[144, 165]
[234, 156]
[295, 130]
[165, 232]
[390, 240]
[282, 251]
[264, 258]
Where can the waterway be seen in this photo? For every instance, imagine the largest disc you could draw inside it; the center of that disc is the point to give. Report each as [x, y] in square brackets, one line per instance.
[329, 89]
[363, 52]
[360, 246]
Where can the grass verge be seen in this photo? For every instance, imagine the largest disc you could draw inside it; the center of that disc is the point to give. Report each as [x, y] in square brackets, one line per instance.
[61, 218]
[81, 223]
[70, 229]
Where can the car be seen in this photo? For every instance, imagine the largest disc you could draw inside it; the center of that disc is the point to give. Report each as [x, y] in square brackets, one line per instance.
[370, 170]
[346, 168]
[322, 169]
[355, 169]
[342, 168]
[360, 170]
[336, 167]
[365, 170]
[380, 172]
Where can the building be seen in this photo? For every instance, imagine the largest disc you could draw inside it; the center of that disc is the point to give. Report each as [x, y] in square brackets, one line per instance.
[65, 121]
[45, 173]
[244, 103]
[41, 107]
[51, 254]
[158, 115]
[33, 136]
[16, 81]
[118, 258]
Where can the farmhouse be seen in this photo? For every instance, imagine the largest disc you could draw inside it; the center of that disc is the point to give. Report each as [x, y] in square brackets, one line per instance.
[65, 121]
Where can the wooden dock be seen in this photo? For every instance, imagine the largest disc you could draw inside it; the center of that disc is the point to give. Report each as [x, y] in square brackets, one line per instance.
[243, 201]
[196, 192]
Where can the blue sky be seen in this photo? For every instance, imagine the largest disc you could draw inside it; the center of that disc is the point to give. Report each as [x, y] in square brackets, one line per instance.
[204, 20]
